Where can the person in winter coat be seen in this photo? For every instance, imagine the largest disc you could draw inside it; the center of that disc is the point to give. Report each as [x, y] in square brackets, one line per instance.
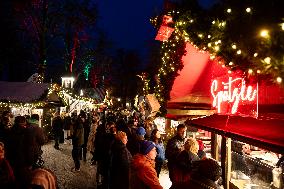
[77, 135]
[87, 128]
[67, 127]
[120, 162]
[39, 139]
[7, 178]
[174, 146]
[92, 136]
[135, 143]
[142, 172]
[160, 158]
[57, 128]
[20, 150]
[43, 179]
[205, 175]
[185, 159]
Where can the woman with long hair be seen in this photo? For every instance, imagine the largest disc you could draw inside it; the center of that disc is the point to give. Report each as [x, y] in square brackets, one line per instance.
[160, 158]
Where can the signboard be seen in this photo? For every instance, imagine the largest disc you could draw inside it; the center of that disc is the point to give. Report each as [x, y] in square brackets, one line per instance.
[165, 31]
[232, 95]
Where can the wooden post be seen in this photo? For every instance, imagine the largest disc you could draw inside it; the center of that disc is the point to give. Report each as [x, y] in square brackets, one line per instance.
[168, 125]
[226, 161]
[214, 146]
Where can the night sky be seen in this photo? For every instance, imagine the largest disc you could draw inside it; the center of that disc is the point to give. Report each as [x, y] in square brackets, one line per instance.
[127, 22]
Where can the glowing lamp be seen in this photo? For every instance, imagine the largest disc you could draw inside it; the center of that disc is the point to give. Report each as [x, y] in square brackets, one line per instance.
[279, 79]
[264, 33]
[248, 10]
[267, 60]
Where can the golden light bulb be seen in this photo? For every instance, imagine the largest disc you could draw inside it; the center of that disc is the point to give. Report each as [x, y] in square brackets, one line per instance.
[282, 26]
[231, 63]
[234, 46]
[267, 60]
[279, 79]
[248, 10]
[239, 52]
[250, 71]
[229, 10]
[255, 54]
[264, 33]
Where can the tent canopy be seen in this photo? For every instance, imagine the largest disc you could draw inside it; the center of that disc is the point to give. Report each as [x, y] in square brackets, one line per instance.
[265, 132]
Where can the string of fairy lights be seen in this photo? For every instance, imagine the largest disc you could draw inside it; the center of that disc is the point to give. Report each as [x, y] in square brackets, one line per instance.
[255, 55]
[258, 57]
[63, 93]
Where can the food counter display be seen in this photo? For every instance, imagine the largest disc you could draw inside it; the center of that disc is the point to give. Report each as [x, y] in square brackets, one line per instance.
[252, 167]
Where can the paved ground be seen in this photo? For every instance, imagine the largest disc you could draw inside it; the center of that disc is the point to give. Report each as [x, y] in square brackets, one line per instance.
[61, 163]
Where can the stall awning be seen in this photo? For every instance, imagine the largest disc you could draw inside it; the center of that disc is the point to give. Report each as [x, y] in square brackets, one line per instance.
[265, 132]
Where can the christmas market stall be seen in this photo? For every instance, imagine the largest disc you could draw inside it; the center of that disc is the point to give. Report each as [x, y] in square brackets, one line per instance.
[26, 98]
[222, 70]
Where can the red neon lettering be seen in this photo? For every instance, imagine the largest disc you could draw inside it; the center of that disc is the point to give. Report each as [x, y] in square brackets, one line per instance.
[233, 92]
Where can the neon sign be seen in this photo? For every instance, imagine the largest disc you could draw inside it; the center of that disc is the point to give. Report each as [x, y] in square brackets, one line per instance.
[230, 95]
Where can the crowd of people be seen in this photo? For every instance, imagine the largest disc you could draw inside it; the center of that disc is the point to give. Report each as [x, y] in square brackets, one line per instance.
[21, 165]
[129, 152]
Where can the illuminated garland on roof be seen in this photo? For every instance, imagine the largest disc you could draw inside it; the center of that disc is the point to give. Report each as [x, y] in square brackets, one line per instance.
[245, 37]
[61, 92]
[171, 62]
[241, 37]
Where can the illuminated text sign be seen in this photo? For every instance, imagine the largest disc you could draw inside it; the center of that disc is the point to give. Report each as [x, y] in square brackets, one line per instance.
[230, 95]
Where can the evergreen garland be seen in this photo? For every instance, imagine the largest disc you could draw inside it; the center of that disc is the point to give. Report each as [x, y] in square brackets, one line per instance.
[246, 35]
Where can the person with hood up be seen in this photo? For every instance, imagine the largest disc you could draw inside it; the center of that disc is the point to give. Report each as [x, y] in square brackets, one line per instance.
[142, 172]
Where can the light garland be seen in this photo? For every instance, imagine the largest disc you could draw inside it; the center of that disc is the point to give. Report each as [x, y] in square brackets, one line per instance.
[190, 25]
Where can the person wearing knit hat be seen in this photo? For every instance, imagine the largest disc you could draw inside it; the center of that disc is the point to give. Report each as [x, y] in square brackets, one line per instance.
[140, 131]
[146, 146]
[135, 142]
[142, 172]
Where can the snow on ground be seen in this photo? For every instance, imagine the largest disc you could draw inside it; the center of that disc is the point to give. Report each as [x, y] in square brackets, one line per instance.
[61, 163]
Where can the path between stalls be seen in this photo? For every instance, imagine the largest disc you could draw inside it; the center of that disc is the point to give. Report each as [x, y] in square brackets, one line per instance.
[61, 163]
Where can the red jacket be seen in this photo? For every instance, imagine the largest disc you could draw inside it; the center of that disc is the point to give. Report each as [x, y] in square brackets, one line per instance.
[143, 174]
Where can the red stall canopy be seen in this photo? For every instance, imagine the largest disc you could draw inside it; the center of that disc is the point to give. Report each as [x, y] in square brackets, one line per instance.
[265, 132]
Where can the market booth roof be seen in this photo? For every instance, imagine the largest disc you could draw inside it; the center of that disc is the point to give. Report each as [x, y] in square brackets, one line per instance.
[264, 132]
[27, 92]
